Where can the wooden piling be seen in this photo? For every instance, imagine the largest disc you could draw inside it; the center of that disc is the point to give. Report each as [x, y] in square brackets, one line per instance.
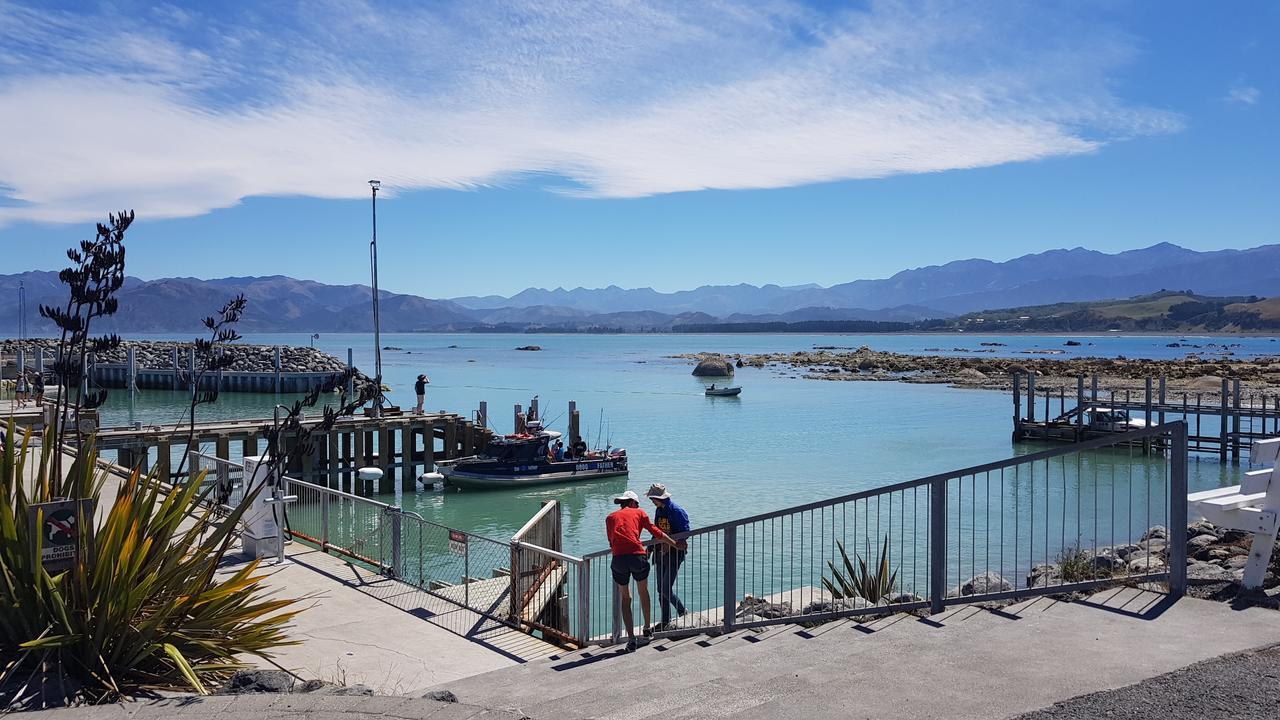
[1235, 421]
[1223, 432]
[1031, 397]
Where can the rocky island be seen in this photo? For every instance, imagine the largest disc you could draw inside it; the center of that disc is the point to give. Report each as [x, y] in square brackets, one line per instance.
[1191, 374]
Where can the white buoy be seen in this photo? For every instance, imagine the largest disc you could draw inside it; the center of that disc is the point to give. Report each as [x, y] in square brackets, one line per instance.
[431, 480]
[369, 473]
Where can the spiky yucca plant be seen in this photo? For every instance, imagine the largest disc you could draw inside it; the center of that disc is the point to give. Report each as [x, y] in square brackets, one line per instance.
[871, 584]
[142, 609]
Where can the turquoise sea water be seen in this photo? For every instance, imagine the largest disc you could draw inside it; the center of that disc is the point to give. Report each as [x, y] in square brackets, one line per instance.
[784, 441]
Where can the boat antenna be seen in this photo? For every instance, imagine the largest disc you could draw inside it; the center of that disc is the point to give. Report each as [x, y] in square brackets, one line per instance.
[599, 427]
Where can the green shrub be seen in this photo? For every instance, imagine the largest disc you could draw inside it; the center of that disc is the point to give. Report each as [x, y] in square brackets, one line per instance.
[871, 584]
[141, 610]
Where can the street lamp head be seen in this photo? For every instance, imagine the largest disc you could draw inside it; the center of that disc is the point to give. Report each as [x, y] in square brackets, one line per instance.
[375, 184]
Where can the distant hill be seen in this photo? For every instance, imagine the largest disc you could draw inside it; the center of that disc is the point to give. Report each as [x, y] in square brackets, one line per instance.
[933, 293]
[957, 287]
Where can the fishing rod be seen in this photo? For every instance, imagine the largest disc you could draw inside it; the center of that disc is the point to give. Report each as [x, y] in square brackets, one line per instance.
[599, 427]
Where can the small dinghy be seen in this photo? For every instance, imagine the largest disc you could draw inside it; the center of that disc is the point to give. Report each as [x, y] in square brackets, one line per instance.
[714, 391]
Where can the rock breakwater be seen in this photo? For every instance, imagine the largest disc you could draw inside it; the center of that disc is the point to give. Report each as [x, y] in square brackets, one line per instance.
[159, 355]
[1192, 374]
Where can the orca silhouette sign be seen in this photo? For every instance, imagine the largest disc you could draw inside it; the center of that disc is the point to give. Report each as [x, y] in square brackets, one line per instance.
[62, 525]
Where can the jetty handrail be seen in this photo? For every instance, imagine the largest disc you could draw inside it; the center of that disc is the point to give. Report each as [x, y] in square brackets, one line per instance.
[562, 556]
[1093, 444]
[1062, 520]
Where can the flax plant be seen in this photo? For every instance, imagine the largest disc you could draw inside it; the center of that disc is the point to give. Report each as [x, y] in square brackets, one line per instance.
[142, 609]
[873, 584]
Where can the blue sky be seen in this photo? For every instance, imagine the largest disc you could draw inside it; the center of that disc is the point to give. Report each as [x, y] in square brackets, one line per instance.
[639, 144]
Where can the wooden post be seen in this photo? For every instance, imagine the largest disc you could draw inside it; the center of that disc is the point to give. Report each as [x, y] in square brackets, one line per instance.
[1162, 398]
[357, 485]
[333, 459]
[348, 463]
[1146, 442]
[163, 461]
[351, 384]
[1094, 388]
[483, 417]
[1222, 434]
[1018, 408]
[276, 364]
[1235, 420]
[249, 446]
[131, 376]
[191, 370]
[1079, 407]
[450, 438]
[1031, 397]
[408, 472]
[575, 423]
[222, 447]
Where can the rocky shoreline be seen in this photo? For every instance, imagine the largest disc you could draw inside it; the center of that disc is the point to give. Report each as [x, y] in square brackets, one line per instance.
[158, 355]
[1191, 374]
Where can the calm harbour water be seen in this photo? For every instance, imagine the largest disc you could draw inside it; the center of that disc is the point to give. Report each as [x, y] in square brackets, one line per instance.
[784, 441]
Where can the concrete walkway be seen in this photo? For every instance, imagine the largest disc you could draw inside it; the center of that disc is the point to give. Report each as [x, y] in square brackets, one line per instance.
[263, 707]
[360, 627]
[967, 663]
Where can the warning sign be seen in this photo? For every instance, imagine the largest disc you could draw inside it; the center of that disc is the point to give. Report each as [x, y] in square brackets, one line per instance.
[62, 525]
[458, 542]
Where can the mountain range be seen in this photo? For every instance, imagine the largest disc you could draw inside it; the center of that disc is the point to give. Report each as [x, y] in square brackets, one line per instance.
[278, 303]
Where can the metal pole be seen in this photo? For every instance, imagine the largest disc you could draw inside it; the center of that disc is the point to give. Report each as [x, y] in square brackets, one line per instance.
[1178, 511]
[937, 545]
[324, 521]
[584, 602]
[730, 577]
[377, 319]
[397, 519]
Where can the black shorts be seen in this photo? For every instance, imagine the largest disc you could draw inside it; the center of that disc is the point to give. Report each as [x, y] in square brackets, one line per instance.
[626, 567]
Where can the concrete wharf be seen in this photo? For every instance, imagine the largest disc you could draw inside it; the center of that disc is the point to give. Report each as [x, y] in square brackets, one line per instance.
[1224, 422]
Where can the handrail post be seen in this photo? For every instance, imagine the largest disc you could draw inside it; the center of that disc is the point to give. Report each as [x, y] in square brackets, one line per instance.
[937, 545]
[517, 558]
[584, 603]
[1178, 510]
[324, 522]
[730, 577]
[396, 522]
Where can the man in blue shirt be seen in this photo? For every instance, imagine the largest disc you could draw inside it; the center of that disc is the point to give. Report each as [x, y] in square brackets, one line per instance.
[671, 519]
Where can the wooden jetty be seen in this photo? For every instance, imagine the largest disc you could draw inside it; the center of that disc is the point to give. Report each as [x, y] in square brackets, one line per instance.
[1223, 422]
[403, 446]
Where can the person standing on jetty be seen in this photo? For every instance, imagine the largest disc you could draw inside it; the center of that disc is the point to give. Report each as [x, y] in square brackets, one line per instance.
[670, 519]
[630, 560]
[20, 390]
[420, 388]
[37, 387]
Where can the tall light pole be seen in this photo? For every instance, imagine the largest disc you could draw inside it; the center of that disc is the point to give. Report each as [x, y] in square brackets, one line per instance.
[377, 318]
[22, 313]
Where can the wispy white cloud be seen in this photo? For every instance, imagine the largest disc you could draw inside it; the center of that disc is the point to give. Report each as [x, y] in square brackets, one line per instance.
[1244, 95]
[175, 114]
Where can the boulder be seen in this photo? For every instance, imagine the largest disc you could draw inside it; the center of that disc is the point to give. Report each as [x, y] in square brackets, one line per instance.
[970, 376]
[1045, 575]
[1158, 532]
[259, 681]
[765, 609]
[1203, 527]
[837, 605]
[982, 584]
[1148, 564]
[441, 696]
[1200, 542]
[1204, 573]
[901, 598]
[713, 367]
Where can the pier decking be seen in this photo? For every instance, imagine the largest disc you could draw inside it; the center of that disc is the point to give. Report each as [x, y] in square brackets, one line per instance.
[1224, 422]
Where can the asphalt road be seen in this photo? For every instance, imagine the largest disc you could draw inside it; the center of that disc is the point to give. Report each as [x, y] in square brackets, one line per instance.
[1242, 685]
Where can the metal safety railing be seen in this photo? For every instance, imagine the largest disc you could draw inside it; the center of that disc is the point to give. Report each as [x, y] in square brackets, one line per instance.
[1058, 521]
[226, 477]
[1063, 520]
